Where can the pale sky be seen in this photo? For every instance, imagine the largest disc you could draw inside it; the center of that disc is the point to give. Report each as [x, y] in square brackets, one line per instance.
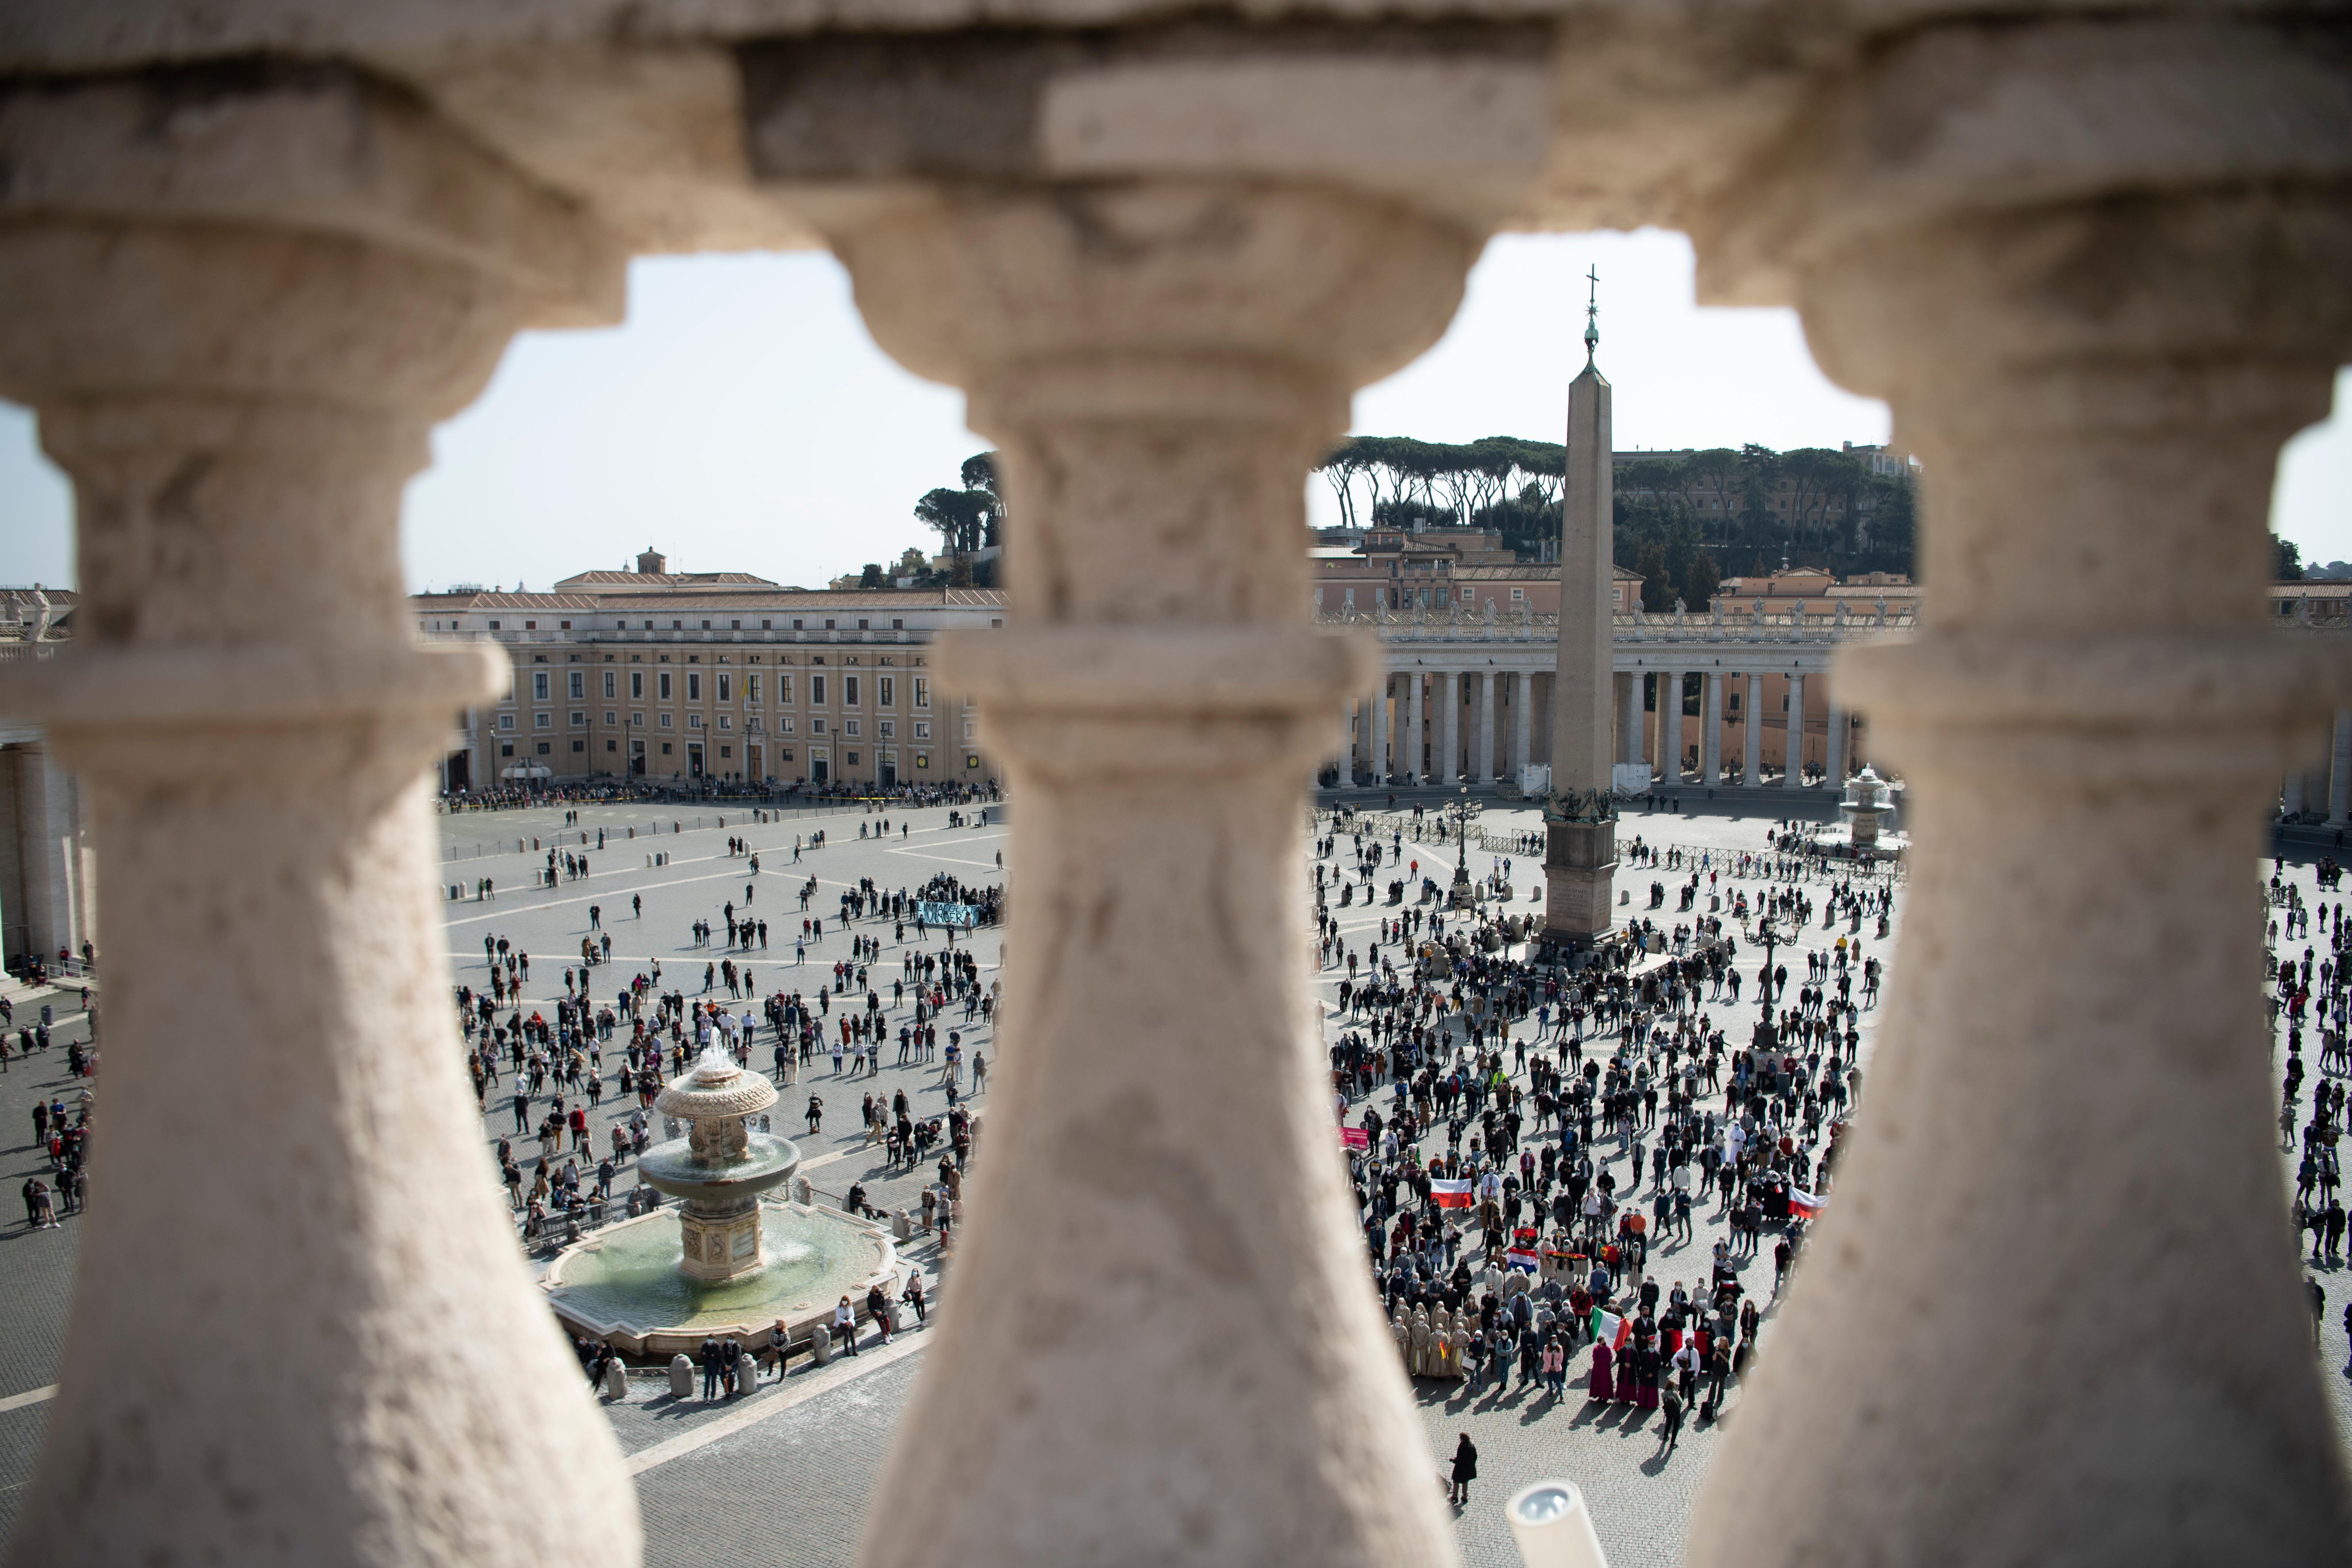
[743, 420]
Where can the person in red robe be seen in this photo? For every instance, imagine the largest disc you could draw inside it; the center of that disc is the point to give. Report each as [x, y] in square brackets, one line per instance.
[1603, 1388]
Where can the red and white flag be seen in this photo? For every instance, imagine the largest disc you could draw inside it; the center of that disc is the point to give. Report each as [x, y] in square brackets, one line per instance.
[1804, 1204]
[1448, 1195]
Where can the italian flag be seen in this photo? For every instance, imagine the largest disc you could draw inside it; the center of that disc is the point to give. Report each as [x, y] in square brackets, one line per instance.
[1447, 1195]
[1611, 1329]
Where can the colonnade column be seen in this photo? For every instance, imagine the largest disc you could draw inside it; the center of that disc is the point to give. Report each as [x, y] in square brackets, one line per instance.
[1629, 717]
[1449, 693]
[1160, 360]
[1792, 755]
[302, 1330]
[1413, 730]
[1484, 772]
[2291, 793]
[1669, 738]
[1834, 752]
[1710, 730]
[2339, 771]
[1523, 707]
[2098, 353]
[1752, 734]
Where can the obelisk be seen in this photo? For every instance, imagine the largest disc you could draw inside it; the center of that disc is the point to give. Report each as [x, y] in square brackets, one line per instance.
[1581, 816]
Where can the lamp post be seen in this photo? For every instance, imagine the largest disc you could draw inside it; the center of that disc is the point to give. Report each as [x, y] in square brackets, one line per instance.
[1461, 808]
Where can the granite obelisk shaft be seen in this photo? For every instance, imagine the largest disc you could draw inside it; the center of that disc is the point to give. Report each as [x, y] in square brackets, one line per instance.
[1580, 827]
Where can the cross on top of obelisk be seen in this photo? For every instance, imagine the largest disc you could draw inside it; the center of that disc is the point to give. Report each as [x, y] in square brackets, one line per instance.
[1592, 317]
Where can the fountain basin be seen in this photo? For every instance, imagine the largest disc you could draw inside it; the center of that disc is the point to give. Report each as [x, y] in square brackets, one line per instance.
[623, 1284]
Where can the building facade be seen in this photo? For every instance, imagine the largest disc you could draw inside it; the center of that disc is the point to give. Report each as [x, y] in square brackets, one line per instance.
[672, 677]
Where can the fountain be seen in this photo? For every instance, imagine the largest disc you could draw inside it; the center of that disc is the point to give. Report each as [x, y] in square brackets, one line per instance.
[720, 1168]
[1868, 798]
[730, 1263]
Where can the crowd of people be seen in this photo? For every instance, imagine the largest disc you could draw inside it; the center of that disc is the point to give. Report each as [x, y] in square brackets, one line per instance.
[1523, 1139]
[554, 1072]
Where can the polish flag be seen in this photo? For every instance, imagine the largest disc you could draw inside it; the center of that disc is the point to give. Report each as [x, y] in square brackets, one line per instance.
[1447, 1195]
[1611, 1329]
[1523, 1258]
[1804, 1204]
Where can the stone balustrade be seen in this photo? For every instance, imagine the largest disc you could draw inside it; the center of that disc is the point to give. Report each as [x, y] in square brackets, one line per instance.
[2092, 259]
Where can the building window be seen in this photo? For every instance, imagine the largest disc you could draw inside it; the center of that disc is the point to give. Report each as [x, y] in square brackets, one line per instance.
[666, 721]
[542, 748]
[922, 693]
[850, 727]
[637, 721]
[784, 726]
[494, 626]
[886, 729]
[539, 686]
[579, 745]
[751, 688]
[612, 679]
[612, 745]
[731, 625]
[579, 687]
[726, 686]
[898, 625]
[530, 626]
[507, 750]
[1517, 594]
[706, 625]
[849, 691]
[829, 624]
[726, 722]
[783, 688]
[664, 684]
[922, 731]
[664, 743]
[816, 690]
[885, 691]
[727, 751]
[796, 625]
[578, 717]
[694, 720]
[694, 685]
[816, 726]
[766, 626]
[970, 729]
[506, 720]
[611, 717]
[784, 755]
[849, 759]
[542, 721]
[637, 686]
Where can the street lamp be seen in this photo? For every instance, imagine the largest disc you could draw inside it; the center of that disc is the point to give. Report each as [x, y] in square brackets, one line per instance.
[1460, 810]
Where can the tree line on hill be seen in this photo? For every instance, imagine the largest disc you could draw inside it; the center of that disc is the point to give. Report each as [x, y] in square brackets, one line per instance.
[1684, 521]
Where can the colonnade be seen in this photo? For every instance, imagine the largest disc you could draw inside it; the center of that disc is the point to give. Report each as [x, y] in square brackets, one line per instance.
[2327, 787]
[1158, 261]
[1485, 726]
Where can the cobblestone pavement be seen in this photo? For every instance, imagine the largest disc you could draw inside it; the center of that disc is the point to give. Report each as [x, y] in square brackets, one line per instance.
[35, 1266]
[793, 1487]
